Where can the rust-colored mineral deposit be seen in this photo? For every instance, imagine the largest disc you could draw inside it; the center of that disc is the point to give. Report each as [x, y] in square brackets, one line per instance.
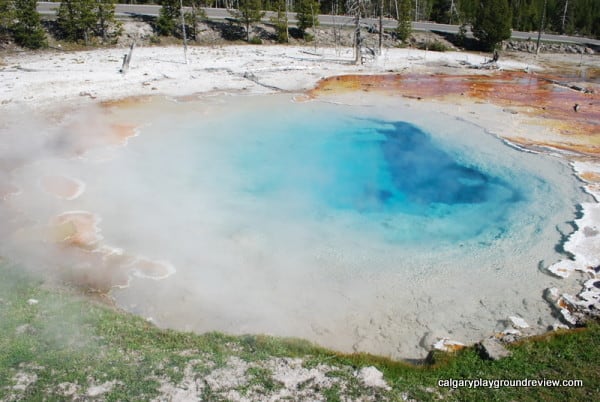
[570, 111]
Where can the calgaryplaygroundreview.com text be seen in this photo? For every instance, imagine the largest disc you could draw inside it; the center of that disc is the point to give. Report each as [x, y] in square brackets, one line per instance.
[498, 383]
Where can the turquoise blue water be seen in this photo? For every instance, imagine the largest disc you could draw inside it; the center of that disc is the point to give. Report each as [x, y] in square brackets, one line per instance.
[387, 178]
[321, 175]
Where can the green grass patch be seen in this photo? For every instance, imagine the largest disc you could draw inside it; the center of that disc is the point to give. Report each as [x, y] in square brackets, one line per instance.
[68, 338]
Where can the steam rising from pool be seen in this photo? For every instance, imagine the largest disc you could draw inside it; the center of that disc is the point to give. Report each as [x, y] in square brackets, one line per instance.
[363, 229]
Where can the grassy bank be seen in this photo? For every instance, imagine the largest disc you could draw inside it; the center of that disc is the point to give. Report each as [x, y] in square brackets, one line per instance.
[58, 344]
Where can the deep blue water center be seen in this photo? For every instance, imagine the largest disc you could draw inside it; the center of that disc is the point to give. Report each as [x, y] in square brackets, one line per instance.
[426, 174]
[376, 176]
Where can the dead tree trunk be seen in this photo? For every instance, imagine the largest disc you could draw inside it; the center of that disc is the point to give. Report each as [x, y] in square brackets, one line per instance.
[127, 59]
[380, 26]
[183, 31]
[357, 52]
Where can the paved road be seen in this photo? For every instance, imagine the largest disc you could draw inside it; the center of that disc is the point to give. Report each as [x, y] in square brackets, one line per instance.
[129, 10]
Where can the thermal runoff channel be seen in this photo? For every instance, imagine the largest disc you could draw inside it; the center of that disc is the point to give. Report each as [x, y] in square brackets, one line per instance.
[360, 228]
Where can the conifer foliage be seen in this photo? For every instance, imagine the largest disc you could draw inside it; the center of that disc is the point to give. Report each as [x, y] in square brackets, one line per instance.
[404, 27]
[75, 19]
[168, 17]
[248, 13]
[492, 23]
[193, 17]
[20, 21]
[280, 21]
[6, 12]
[27, 27]
[307, 12]
[83, 19]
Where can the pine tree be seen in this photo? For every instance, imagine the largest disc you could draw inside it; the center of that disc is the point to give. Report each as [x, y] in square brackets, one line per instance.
[280, 21]
[492, 23]
[307, 12]
[440, 11]
[468, 9]
[6, 17]
[193, 17]
[27, 26]
[105, 17]
[404, 27]
[168, 17]
[76, 19]
[248, 13]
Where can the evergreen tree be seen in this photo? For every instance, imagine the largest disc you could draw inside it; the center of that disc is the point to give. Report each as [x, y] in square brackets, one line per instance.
[468, 9]
[280, 21]
[6, 17]
[492, 23]
[168, 17]
[586, 15]
[193, 17]
[105, 17]
[27, 26]
[248, 13]
[440, 11]
[307, 12]
[404, 27]
[76, 19]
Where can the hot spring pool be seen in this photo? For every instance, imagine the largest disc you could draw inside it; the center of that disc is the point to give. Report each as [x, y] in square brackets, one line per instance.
[361, 228]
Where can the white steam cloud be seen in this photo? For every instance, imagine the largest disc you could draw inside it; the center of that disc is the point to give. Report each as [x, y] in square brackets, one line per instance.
[197, 241]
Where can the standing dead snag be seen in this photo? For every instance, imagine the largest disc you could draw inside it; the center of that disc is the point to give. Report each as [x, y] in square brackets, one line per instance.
[183, 31]
[356, 8]
[127, 59]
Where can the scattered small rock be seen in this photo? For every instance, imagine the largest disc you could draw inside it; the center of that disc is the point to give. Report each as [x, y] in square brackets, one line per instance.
[491, 349]
[32, 302]
[89, 94]
[530, 47]
[428, 340]
[510, 335]
[511, 331]
[447, 345]
[569, 310]
[518, 322]
[551, 295]
[371, 377]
